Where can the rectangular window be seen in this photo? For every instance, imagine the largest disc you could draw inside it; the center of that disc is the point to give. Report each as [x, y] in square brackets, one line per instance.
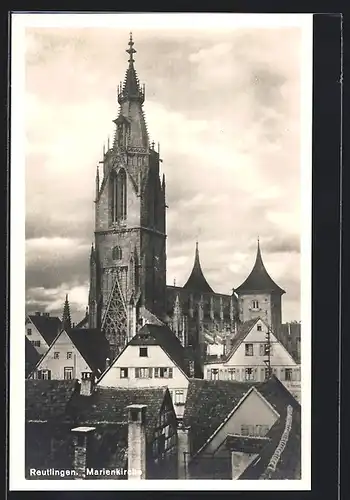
[249, 349]
[69, 355]
[249, 374]
[29, 331]
[56, 355]
[258, 328]
[68, 373]
[163, 373]
[143, 372]
[36, 343]
[231, 374]
[254, 430]
[143, 352]
[45, 374]
[179, 397]
[255, 304]
[288, 374]
[124, 373]
[215, 374]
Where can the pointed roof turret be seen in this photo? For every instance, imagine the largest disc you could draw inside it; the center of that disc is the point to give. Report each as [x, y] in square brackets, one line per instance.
[131, 88]
[66, 320]
[259, 279]
[197, 281]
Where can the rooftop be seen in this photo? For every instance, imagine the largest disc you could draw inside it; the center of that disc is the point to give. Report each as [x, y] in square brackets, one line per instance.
[197, 281]
[48, 326]
[259, 279]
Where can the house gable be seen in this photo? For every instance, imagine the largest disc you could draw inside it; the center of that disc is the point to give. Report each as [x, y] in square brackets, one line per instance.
[130, 358]
[279, 354]
[253, 410]
[63, 345]
[34, 336]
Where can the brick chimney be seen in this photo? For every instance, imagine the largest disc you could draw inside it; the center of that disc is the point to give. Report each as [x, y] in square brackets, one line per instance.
[137, 441]
[82, 440]
[108, 362]
[87, 382]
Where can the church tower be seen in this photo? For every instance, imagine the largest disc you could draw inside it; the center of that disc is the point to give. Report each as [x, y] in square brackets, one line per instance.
[128, 259]
[260, 296]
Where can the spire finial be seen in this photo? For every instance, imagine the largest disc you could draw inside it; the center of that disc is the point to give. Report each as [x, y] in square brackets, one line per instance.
[66, 320]
[131, 51]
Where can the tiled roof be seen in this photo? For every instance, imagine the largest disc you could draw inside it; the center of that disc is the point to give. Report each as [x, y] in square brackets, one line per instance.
[165, 338]
[281, 457]
[197, 281]
[108, 405]
[48, 326]
[208, 403]
[259, 279]
[92, 345]
[31, 357]
[47, 400]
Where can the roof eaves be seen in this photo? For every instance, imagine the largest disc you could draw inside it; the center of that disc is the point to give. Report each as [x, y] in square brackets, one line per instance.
[223, 422]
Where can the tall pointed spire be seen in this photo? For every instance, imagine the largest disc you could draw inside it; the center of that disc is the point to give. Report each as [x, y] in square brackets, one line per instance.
[66, 320]
[197, 281]
[259, 279]
[131, 88]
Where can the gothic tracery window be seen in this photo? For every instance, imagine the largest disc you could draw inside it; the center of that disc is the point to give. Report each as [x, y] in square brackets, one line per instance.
[119, 196]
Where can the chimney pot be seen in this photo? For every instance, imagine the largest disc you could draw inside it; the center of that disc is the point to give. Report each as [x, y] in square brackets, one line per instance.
[108, 362]
[81, 445]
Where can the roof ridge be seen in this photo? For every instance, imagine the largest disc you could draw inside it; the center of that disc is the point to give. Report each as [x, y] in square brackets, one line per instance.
[271, 467]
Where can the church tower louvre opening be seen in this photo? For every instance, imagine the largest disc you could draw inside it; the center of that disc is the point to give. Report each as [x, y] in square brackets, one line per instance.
[128, 257]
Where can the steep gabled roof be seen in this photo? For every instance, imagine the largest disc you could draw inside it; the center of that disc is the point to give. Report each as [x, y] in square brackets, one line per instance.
[47, 400]
[197, 282]
[107, 405]
[208, 403]
[48, 326]
[280, 458]
[92, 345]
[242, 332]
[164, 337]
[259, 279]
[31, 357]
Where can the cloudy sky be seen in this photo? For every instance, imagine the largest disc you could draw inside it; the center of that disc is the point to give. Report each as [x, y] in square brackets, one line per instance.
[225, 107]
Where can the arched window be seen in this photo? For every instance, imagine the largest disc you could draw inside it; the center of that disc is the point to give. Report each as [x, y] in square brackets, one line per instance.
[116, 253]
[119, 196]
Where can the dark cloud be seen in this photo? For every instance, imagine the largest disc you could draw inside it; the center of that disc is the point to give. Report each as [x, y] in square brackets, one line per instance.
[54, 269]
[212, 99]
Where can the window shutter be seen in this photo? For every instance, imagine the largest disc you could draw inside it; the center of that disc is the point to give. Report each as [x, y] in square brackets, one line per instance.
[282, 374]
[137, 372]
[49, 374]
[255, 374]
[150, 372]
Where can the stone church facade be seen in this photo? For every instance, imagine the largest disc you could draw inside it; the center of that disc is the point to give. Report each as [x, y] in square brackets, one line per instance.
[128, 258]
